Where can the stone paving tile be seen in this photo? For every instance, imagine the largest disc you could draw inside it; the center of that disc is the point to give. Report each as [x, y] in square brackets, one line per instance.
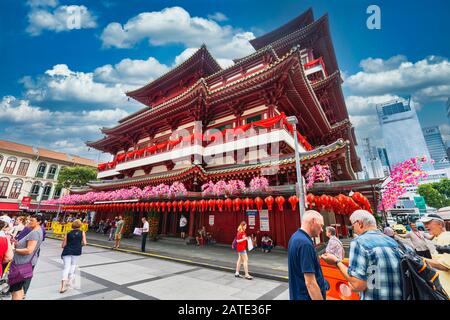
[187, 289]
[283, 296]
[110, 295]
[118, 276]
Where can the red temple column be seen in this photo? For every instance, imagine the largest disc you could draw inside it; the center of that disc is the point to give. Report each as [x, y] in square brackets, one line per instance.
[191, 223]
[164, 226]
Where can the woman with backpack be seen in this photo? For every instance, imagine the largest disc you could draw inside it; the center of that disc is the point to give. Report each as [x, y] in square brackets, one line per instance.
[72, 243]
[241, 248]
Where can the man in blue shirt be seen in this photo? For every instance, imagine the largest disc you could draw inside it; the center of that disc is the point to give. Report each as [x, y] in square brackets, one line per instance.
[306, 281]
[374, 262]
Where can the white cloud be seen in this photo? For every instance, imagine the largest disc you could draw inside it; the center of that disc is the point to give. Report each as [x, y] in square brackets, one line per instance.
[131, 72]
[57, 130]
[42, 3]
[62, 84]
[218, 16]
[187, 53]
[357, 105]
[371, 65]
[426, 80]
[63, 18]
[176, 26]
[15, 110]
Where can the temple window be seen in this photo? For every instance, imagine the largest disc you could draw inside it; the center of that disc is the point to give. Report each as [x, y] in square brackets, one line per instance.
[4, 183]
[254, 118]
[10, 165]
[23, 167]
[47, 190]
[16, 188]
[41, 170]
[52, 172]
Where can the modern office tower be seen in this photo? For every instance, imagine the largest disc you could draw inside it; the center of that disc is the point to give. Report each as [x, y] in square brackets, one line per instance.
[372, 162]
[402, 134]
[436, 147]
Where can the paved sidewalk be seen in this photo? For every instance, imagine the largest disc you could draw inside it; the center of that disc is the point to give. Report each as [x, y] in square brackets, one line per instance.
[104, 274]
[271, 265]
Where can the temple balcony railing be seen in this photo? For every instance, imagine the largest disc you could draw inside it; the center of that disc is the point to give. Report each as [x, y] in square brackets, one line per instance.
[315, 70]
[208, 145]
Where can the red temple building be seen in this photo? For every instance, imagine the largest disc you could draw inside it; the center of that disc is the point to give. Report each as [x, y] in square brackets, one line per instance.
[182, 132]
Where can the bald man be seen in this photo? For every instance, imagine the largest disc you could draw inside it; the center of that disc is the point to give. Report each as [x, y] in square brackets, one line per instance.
[306, 281]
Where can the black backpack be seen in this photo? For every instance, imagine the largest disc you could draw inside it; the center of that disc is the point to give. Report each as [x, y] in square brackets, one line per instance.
[420, 280]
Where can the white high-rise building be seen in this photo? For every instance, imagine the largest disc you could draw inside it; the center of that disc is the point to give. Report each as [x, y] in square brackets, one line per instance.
[436, 147]
[402, 134]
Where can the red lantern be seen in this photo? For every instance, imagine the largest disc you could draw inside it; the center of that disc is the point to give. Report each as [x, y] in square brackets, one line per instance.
[269, 202]
[212, 204]
[237, 204]
[142, 206]
[323, 202]
[310, 198]
[293, 200]
[203, 205]
[151, 205]
[187, 205]
[249, 203]
[219, 203]
[193, 205]
[259, 203]
[180, 205]
[157, 205]
[228, 203]
[174, 206]
[163, 206]
[169, 206]
[280, 201]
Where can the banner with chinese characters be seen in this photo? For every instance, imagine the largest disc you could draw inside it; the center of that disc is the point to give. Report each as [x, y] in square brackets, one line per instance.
[264, 220]
[251, 214]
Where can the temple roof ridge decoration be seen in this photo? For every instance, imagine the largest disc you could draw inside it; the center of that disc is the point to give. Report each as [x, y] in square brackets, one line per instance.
[208, 65]
[298, 22]
[202, 83]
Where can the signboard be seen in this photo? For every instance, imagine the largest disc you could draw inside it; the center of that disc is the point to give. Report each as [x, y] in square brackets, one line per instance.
[25, 203]
[252, 218]
[264, 220]
[211, 220]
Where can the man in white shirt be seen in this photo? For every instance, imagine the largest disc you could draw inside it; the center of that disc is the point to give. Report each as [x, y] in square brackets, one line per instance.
[183, 223]
[145, 230]
[418, 241]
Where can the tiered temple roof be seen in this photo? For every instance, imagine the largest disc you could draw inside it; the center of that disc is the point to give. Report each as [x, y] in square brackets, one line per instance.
[200, 90]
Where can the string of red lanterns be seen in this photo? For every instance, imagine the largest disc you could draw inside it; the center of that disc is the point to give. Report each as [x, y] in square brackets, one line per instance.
[340, 204]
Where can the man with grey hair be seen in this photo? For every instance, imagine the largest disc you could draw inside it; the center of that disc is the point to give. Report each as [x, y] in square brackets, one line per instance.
[334, 245]
[306, 281]
[440, 261]
[374, 261]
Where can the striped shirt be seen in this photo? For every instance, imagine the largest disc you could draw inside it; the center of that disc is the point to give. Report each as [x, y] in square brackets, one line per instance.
[375, 259]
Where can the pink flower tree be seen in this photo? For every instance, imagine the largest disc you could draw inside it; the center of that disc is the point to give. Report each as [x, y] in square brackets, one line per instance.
[407, 173]
[259, 184]
[208, 188]
[177, 188]
[235, 187]
[318, 173]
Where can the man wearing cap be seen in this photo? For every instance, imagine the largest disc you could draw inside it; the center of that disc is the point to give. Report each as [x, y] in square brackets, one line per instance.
[441, 262]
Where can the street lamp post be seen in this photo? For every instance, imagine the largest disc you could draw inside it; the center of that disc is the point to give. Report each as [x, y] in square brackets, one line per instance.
[299, 186]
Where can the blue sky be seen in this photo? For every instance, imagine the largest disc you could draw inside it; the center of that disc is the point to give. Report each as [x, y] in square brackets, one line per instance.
[59, 85]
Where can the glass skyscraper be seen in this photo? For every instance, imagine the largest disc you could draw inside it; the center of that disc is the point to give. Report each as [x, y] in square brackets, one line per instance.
[402, 134]
[436, 147]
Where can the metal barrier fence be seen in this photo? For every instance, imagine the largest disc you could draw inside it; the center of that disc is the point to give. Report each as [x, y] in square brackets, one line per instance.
[61, 229]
